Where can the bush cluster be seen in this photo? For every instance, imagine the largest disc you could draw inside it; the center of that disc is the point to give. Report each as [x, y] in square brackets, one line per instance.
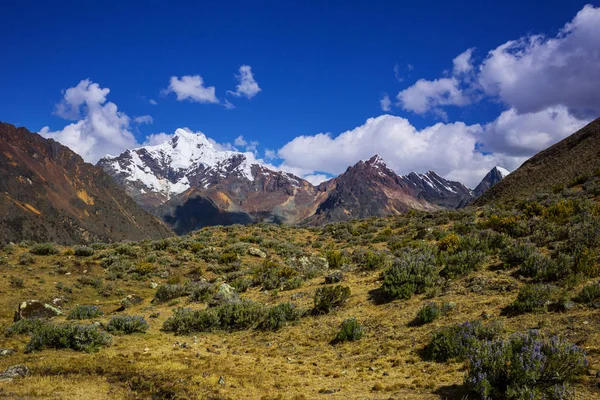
[589, 293]
[85, 312]
[44, 249]
[127, 324]
[412, 273]
[534, 298]
[83, 251]
[272, 275]
[350, 330]
[525, 366]
[432, 311]
[79, 337]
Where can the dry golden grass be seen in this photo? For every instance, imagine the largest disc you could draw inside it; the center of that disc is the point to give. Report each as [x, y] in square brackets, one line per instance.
[297, 362]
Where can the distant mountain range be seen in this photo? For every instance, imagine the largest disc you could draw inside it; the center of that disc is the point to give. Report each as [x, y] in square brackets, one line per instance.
[189, 183]
[49, 194]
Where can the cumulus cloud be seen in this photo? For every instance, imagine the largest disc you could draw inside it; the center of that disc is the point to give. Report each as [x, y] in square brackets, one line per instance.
[385, 103]
[426, 95]
[248, 86]
[529, 74]
[157, 138]
[463, 63]
[153, 102]
[239, 141]
[101, 127]
[191, 87]
[536, 72]
[143, 119]
[270, 154]
[451, 149]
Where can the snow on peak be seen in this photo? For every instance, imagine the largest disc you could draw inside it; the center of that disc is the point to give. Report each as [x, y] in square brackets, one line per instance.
[503, 171]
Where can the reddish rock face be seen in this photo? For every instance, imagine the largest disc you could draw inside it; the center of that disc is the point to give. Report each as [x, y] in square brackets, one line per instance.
[49, 194]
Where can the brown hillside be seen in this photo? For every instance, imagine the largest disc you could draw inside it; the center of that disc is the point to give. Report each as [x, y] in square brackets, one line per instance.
[575, 156]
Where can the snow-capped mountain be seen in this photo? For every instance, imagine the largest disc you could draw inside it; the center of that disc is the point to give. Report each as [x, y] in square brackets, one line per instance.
[492, 178]
[154, 174]
[190, 183]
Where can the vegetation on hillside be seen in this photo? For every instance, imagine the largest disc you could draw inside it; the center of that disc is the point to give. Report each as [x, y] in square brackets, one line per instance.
[497, 302]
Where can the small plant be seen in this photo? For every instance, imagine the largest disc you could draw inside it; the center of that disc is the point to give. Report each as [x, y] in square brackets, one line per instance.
[168, 292]
[16, 282]
[526, 366]
[428, 313]
[86, 280]
[79, 337]
[27, 326]
[589, 293]
[335, 259]
[83, 251]
[127, 324]
[350, 330]
[44, 249]
[449, 243]
[463, 262]
[26, 259]
[85, 312]
[534, 298]
[329, 297]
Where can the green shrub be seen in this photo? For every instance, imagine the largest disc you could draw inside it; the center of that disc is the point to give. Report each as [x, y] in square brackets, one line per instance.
[534, 298]
[85, 312]
[44, 249]
[272, 275]
[463, 262]
[330, 297]
[16, 282]
[83, 251]
[79, 337]
[127, 324]
[515, 254]
[86, 280]
[412, 273]
[449, 243]
[279, 315]
[428, 313]
[589, 293]
[350, 330]
[27, 326]
[168, 292]
[456, 341]
[228, 258]
[525, 366]
[26, 259]
[335, 259]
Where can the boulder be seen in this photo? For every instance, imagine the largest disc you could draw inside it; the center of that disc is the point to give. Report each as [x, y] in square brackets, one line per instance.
[253, 251]
[6, 352]
[16, 371]
[310, 266]
[334, 277]
[32, 309]
[225, 295]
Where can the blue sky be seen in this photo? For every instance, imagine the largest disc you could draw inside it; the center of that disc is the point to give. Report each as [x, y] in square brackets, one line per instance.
[321, 67]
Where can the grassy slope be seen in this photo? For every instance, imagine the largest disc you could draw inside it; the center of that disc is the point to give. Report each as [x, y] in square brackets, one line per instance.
[294, 363]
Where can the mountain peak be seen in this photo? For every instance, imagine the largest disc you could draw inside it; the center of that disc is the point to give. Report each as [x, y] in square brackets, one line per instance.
[376, 160]
[503, 171]
[184, 135]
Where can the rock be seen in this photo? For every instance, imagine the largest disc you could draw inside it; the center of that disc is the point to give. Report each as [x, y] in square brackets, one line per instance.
[334, 277]
[221, 380]
[153, 285]
[58, 302]
[569, 305]
[225, 295]
[253, 251]
[310, 266]
[7, 352]
[16, 371]
[134, 299]
[31, 309]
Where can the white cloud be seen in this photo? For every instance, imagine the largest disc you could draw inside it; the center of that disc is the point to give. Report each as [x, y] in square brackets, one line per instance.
[153, 102]
[463, 63]
[536, 72]
[143, 119]
[451, 149]
[101, 128]
[385, 103]
[157, 138]
[248, 86]
[316, 179]
[192, 88]
[426, 95]
[239, 141]
[529, 74]
[270, 154]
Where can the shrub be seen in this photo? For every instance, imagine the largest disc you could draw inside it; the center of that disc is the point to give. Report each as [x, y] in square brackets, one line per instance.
[26, 326]
[534, 298]
[455, 341]
[271, 275]
[127, 324]
[462, 263]
[228, 258]
[541, 268]
[428, 313]
[16, 282]
[79, 337]
[329, 297]
[449, 243]
[85, 312]
[277, 316]
[413, 272]
[168, 292]
[513, 255]
[83, 251]
[86, 280]
[526, 366]
[44, 249]
[350, 330]
[26, 259]
[335, 259]
[589, 293]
